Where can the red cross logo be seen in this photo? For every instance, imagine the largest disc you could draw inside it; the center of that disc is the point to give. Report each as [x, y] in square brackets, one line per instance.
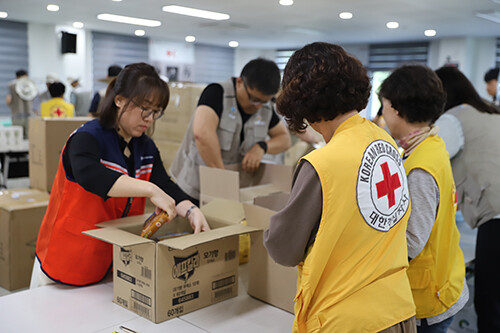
[59, 112]
[388, 185]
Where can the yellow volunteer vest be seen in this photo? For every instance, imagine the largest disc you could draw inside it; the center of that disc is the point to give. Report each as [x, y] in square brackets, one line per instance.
[353, 278]
[57, 107]
[437, 273]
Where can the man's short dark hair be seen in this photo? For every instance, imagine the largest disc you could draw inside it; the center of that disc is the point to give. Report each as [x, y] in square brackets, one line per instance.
[57, 89]
[492, 74]
[263, 75]
[20, 73]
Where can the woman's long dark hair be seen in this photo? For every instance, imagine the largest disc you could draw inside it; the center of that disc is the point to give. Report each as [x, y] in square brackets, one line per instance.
[459, 90]
[136, 82]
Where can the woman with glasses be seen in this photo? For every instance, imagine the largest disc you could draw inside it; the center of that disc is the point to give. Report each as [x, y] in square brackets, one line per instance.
[107, 169]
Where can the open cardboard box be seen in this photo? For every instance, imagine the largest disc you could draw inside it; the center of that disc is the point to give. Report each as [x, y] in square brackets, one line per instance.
[233, 183]
[268, 281]
[160, 280]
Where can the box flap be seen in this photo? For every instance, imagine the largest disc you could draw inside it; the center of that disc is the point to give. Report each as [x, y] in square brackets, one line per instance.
[248, 194]
[117, 236]
[275, 201]
[185, 242]
[125, 221]
[218, 183]
[224, 211]
[258, 216]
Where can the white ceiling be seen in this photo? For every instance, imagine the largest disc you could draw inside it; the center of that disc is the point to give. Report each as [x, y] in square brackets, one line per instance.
[266, 24]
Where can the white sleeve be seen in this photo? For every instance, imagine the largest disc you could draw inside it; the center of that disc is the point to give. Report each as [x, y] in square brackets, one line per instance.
[452, 133]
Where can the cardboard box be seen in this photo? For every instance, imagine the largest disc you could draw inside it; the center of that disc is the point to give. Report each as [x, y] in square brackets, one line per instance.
[160, 280]
[168, 150]
[234, 184]
[47, 137]
[183, 102]
[268, 281]
[21, 213]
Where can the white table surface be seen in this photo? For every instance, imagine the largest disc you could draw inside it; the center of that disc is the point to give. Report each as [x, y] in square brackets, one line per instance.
[58, 308]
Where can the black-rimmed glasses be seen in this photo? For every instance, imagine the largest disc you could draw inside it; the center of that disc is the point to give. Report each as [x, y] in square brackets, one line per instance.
[252, 99]
[147, 112]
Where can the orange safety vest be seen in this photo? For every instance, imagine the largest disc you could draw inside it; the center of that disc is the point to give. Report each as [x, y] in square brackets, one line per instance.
[66, 255]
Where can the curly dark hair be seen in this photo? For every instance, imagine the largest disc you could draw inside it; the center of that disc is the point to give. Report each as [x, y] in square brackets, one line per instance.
[321, 81]
[416, 92]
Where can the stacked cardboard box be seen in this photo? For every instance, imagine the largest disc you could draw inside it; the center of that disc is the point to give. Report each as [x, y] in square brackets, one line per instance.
[21, 213]
[160, 280]
[47, 137]
[170, 129]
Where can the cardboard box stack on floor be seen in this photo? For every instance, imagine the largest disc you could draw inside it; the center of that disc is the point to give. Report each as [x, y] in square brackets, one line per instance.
[21, 213]
[170, 129]
[47, 137]
[160, 280]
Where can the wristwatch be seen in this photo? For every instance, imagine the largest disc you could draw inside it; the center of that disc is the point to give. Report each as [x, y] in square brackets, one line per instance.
[263, 145]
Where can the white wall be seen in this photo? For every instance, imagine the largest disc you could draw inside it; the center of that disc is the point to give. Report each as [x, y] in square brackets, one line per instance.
[44, 55]
[243, 56]
[474, 56]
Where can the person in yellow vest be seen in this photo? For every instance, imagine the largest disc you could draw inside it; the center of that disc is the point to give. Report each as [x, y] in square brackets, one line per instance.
[57, 106]
[413, 98]
[344, 225]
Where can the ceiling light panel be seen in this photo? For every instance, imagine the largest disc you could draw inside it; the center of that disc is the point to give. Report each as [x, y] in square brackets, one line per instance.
[128, 20]
[345, 15]
[52, 8]
[195, 12]
[392, 25]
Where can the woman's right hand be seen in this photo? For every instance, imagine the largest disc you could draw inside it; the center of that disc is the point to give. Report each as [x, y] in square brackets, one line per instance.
[163, 202]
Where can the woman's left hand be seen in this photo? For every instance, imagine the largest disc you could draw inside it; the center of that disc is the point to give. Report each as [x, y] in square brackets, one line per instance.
[198, 221]
[196, 218]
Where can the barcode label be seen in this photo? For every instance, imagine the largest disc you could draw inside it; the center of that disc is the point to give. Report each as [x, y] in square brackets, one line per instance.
[140, 297]
[223, 294]
[223, 282]
[146, 272]
[141, 309]
[230, 255]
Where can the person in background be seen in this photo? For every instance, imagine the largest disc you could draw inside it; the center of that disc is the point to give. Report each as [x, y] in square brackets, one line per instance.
[412, 100]
[45, 95]
[491, 79]
[344, 225]
[107, 169]
[113, 72]
[469, 128]
[230, 125]
[57, 106]
[22, 92]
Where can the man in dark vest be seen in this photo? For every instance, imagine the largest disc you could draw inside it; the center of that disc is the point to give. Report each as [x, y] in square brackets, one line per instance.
[234, 122]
